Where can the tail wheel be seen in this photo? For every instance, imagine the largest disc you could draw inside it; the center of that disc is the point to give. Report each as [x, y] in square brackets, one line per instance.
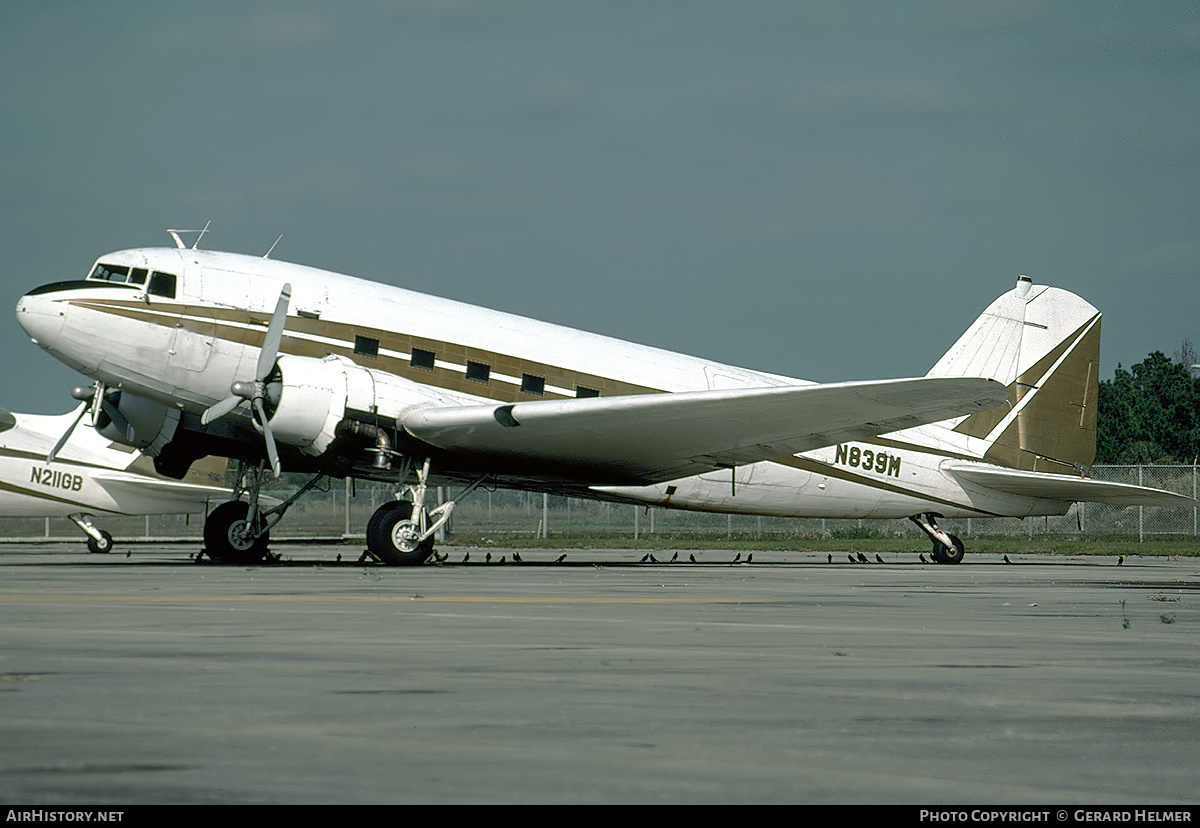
[946, 555]
[394, 537]
[228, 537]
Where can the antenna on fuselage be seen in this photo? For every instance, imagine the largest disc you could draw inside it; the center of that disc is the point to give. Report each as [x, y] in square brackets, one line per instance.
[267, 255]
[179, 242]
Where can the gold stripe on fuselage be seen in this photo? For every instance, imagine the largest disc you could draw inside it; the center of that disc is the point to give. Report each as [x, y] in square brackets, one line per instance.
[818, 467]
[44, 494]
[316, 338]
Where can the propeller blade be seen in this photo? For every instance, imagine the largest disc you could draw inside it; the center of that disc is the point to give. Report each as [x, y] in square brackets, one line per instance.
[272, 451]
[218, 410]
[270, 348]
[254, 390]
[117, 417]
[62, 441]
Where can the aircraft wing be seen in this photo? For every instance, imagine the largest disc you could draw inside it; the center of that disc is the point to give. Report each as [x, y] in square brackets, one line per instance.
[650, 438]
[122, 486]
[1067, 487]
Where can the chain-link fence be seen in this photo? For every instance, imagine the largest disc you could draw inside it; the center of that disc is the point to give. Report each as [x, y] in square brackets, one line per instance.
[341, 509]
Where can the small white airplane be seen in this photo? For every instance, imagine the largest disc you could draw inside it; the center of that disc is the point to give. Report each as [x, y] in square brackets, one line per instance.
[49, 469]
[282, 366]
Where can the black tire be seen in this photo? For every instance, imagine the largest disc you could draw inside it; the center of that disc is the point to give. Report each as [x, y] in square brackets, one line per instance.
[384, 536]
[944, 555]
[223, 539]
[102, 546]
[378, 514]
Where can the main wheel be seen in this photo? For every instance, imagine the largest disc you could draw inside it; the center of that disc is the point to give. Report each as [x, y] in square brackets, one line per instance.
[945, 555]
[378, 515]
[393, 536]
[227, 538]
[99, 547]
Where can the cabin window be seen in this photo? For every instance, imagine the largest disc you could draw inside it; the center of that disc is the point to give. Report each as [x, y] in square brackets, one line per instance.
[366, 346]
[533, 385]
[162, 284]
[110, 273]
[584, 391]
[137, 276]
[421, 359]
[478, 371]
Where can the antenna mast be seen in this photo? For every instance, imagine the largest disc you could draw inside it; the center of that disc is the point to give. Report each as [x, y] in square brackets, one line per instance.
[179, 242]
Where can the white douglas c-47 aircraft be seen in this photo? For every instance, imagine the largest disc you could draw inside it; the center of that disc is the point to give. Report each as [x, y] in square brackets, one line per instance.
[50, 469]
[287, 367]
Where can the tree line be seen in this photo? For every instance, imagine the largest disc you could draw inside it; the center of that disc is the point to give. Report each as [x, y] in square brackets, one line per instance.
[1150, 413]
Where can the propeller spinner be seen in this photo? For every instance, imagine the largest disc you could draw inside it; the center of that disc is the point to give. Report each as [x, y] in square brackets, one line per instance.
[255, 391]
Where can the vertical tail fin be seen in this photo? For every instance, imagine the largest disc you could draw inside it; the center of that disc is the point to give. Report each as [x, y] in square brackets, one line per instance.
[1044, 344]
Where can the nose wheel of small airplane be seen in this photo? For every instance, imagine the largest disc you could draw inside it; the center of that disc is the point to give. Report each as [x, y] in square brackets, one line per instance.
[98, 541]
[102, 546]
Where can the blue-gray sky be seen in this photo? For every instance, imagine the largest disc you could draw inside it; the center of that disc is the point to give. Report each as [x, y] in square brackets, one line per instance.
[831, 190]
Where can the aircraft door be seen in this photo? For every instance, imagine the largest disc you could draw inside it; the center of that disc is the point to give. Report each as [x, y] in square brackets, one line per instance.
[192, 342]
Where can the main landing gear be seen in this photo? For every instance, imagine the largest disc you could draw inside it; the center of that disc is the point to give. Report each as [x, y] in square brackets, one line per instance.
[401, 532]
[237, 532]
[947, 549]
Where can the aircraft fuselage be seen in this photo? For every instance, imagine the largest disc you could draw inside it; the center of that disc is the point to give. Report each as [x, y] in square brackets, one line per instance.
[178, 326]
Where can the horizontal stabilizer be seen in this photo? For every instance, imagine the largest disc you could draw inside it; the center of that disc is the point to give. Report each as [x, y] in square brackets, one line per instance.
[650, 438]
[1067, 487]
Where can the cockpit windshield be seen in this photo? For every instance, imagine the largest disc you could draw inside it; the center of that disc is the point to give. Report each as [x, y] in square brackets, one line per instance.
[161, 284]
[118, 273]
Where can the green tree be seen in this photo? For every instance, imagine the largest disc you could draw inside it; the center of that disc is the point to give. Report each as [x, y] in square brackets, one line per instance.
[1149, 414]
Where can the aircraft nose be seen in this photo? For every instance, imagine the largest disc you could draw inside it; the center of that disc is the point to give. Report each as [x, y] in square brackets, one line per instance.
[38, 315]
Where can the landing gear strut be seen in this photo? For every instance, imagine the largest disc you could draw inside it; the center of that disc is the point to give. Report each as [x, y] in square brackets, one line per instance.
[98, 541]
[401, 532]
[947, 549]
[237, 532]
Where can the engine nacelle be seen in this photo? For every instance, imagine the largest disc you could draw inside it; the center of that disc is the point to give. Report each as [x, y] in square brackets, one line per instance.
[311, 401]
[313, 396]
[153, 424]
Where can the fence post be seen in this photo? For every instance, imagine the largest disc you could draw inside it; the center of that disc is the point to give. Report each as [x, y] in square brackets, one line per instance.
[1140, 535]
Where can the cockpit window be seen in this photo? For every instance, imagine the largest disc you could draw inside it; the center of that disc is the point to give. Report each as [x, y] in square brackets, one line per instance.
[110, 273]
[162, 284]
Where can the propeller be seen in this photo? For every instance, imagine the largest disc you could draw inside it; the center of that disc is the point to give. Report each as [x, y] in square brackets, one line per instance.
[91, 394]
[255, 391]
